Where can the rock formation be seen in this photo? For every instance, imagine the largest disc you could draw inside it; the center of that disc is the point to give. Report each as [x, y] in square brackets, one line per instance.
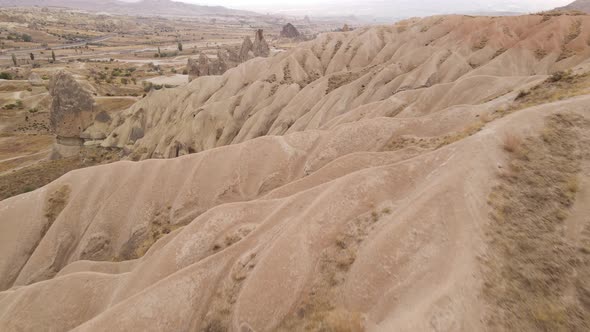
[290, 31]
[260, 46]
[35, 79]
[72, 111]
[246, 50]
[197, 67]
[345, 28]
[228, 58]
[203, 66]
[232, 55]
[192, 69]
[219, 65]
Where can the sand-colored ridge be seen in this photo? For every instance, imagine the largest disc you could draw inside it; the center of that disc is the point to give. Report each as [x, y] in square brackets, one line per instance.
[432, 64]
[284, 207]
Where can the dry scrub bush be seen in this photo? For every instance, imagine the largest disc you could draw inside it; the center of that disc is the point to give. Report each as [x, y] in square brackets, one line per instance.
[511, 142]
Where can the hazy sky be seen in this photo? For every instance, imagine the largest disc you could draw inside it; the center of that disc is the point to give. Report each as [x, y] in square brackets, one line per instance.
[384, 7]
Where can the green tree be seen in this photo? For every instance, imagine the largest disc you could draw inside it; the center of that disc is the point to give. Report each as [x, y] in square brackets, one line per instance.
[180, 46]
[14, 61]
[53, 55]
[32, 56]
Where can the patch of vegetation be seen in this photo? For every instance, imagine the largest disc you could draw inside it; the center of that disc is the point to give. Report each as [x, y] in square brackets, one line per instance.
[532, 279]
[20, 37]
[540, 53]
[499, 52]
[55, 203]
[36, 176]
[561, 85]
[552, 13]
[338, 80]
[565, 53]
[316, 310]
[142, 240]
[481, 44]
[5, 76]
[433, 143]
[574, 31]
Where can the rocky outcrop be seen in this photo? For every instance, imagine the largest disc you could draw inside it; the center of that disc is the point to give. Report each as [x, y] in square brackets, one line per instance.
[192, 69]
[290, 31]
[260, 47]
[198, 67]
[72, 112]
[219, 65]
[246, 50]
[203, 66]
[345, 28]
[228, 58]
[233, 55]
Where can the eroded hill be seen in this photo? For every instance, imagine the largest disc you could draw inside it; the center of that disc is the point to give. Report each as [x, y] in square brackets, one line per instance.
[430, 175]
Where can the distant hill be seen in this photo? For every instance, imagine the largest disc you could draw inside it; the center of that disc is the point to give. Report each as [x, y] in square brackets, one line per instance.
[144, 7]
[581, 5]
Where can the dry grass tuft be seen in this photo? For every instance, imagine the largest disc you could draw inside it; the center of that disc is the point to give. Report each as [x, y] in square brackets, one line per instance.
[540, 53]
[511, 143]
[338, 80]
[55, 203]
[481, 44]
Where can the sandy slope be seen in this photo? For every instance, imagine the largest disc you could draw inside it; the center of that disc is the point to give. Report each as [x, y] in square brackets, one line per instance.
[329, 226]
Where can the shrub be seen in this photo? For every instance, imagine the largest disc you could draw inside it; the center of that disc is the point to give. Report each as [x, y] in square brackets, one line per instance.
[560, 76]
[522, 94]
[511, 142]
[5, 76]
[147, 86]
